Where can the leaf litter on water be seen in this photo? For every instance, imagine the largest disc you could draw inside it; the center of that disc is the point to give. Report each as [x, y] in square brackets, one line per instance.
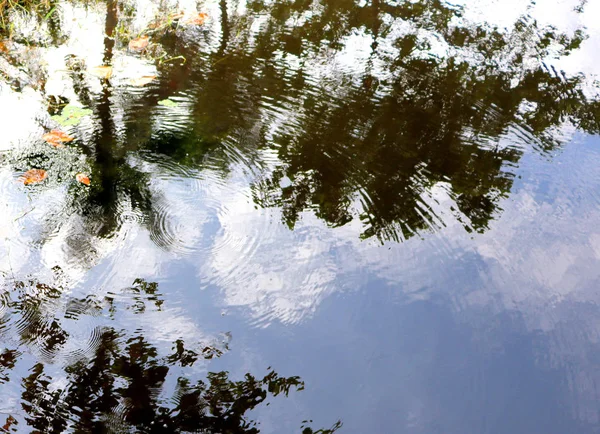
[33, 176]
[56, 138]
[176, 15]
[142, 81]
[197, 20]
[139, 44]
[102, 71]
[82, 178]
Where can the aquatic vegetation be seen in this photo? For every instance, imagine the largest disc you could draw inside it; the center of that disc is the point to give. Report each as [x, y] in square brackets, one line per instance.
[167, 103]
[43, 9]
[71, 115]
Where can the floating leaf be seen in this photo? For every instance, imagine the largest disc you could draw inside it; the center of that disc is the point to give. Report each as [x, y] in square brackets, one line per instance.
[176, 15]
[33, 176]
[102, 71]
[167, 103]
[139, 44]
[197, 20]
[142, 81]
[71, 115]
[80, 177]
[56, 138]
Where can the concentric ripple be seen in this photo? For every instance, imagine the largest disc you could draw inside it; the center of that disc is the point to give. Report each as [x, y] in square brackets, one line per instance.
[188, 206]
[176, 230]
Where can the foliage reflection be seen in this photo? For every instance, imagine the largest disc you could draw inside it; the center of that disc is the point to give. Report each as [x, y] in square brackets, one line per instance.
[121, 382]
[436, 102]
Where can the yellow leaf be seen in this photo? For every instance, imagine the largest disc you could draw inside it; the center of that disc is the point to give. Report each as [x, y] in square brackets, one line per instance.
[142, 81]
[102, 71]
[197, 20]
[33, 176]
[56, 138]
[80, 177]
[139, 44]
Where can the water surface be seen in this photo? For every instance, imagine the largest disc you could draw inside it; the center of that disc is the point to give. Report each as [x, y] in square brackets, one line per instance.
[380, 213]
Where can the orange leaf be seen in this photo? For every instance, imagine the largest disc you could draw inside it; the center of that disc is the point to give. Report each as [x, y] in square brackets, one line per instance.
[33, 176]
[197, 20]
[56, 137]
[142, 81]
[80, 177]
[102, 71]
[139, 44]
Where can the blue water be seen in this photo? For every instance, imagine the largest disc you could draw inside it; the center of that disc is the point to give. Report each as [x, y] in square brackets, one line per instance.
[379, 213]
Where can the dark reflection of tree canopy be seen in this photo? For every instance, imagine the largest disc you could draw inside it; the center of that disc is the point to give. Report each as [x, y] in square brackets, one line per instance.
[121, 383]
[436, 119]
[368, 143]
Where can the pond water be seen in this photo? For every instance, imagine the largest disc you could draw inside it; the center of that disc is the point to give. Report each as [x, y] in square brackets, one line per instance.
[300, 216]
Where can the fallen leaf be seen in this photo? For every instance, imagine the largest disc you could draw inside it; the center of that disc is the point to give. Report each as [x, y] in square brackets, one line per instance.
[102, 71]
[142, 81]
[176, 15]
[167, 103]
[197, 20]
[71, 115]
[80, 177]
[139, 44]
[56, 138]
[33, 176]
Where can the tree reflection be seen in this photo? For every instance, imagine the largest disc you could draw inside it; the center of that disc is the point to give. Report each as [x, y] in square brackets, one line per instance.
[371, 141]
[386, 142]
[123, 382]
[433, 119]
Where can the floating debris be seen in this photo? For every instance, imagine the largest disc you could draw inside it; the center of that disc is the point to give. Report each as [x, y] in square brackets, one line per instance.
[139, 44]
[56, 138]
[142, 81]
[82, 178]
[102, 71]
[33, 176]
[197, 20]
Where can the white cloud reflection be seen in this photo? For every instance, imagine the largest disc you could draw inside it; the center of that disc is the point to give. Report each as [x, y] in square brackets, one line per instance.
[540, 255]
